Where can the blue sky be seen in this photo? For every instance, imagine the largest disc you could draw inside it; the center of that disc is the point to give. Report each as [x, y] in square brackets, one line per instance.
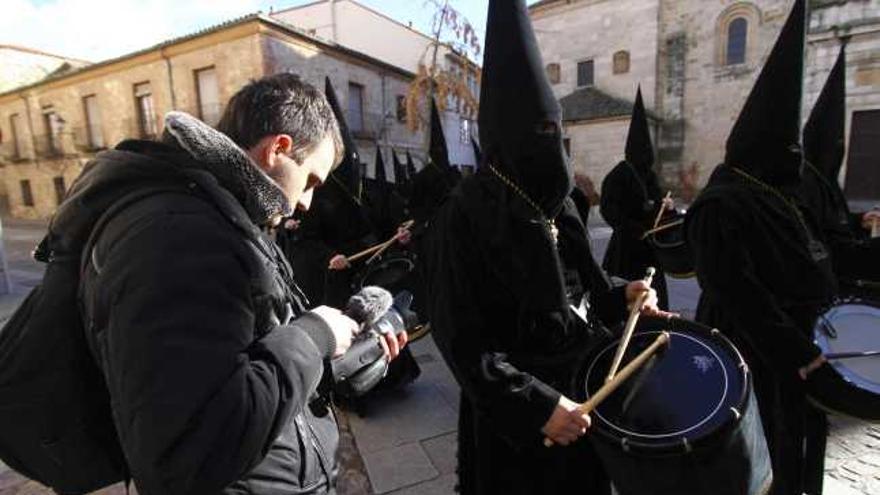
[99, 29]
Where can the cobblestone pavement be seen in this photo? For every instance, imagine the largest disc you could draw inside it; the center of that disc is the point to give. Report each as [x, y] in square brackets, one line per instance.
[404, 441]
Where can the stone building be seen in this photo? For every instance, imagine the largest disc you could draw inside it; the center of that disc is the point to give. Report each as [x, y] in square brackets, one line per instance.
[357, 26]
[22, 65]
[54, 126]
[696, 62]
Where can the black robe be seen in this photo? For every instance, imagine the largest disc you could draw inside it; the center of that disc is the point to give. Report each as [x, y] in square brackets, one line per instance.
[763, 286]
[854, 255]
[631, 198]
[499, 306]
[335, 224]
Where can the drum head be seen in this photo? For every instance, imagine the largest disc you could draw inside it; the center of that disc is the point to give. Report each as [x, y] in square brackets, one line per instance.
[684, 395]
[851, 327]
[389, 273]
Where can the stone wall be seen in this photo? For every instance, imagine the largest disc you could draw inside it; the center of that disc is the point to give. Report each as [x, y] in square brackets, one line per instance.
[597, 146]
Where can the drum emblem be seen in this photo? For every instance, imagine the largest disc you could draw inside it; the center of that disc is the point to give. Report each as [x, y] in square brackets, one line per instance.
[703, 363]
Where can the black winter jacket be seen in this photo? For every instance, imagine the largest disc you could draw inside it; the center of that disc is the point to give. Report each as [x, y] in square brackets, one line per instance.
[211, 361]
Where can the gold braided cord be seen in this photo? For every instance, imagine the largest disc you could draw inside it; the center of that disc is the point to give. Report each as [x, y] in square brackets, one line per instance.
[772, 190]
[551, 225]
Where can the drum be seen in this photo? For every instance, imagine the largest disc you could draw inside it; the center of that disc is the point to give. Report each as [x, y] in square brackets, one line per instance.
[397, 271]
[671, 248]
[686, 423]
[850, 386]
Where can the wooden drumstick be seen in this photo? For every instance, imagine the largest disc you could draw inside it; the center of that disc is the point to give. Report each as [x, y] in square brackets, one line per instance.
[405, 225]
[630, 326]
[381, 245]
[662, 228]
[609, 387]
[662, 209]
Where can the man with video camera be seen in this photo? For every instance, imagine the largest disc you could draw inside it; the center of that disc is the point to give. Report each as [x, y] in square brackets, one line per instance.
[210, 357]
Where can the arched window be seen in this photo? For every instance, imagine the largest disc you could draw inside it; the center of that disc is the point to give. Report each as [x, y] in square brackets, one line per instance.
[621, 62]
[737, 37]
[553, 73]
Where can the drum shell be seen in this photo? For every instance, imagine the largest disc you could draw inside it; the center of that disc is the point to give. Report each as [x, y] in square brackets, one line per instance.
[739, 464]
[730, 459]
[673, 252]
[839, 388]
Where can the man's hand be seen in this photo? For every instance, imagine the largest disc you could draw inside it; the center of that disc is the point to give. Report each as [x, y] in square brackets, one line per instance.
[404, 236]
[291, 224]
[344, 328]
[870, 218]
[566, 424]
[668, 204]
[393, 344]
[634, 290]
[339, 262]
[813, 366]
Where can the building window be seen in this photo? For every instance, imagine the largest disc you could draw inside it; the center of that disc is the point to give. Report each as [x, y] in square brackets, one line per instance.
[93, 122]
[737, 35]
[53, 125]
[146, 114]
[401, 109]
[18, 144]
[27, 196]
[553, 73]
[621, 62]
[355, 107]
[208, 95]
[566, 143]
[585, 73]
[465, 130]
[60, 189]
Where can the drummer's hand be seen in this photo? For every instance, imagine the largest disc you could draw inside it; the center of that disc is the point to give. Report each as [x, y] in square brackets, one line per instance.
[404, 236]
[813, 366]
[649, 308]
[869, 218]
[393, 344]
[291, 224]
[566, 424]
[339, 262]
[668, 204]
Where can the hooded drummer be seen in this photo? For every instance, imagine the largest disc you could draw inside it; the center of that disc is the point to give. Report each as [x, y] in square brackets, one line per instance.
[854, 255]
[763, 266]
[631, 200]
[507, 257]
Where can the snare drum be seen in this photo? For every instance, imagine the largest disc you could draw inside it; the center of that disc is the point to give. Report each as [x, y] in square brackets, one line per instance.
[687, 423]
[850, 387]
[671, 248]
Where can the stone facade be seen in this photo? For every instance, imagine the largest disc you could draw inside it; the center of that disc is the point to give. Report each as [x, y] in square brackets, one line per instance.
[49, 152]
[678, 52]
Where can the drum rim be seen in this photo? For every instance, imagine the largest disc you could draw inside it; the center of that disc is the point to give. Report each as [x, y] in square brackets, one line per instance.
[821, 340]
[679, 444]
[368, 270]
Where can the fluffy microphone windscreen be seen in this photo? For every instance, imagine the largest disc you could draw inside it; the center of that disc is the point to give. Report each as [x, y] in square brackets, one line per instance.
[368, 305]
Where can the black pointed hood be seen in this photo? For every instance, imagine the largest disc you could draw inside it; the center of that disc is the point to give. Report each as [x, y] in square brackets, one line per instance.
[765, 141]
[410, 166]
[349, 172]
[824, 132]
[399, 169]
[520, 120]
[379, 173]
[439, 153]
[478, 153]
[639, 150]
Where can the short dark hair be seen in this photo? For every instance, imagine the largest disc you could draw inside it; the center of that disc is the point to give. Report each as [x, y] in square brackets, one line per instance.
[281, 104]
